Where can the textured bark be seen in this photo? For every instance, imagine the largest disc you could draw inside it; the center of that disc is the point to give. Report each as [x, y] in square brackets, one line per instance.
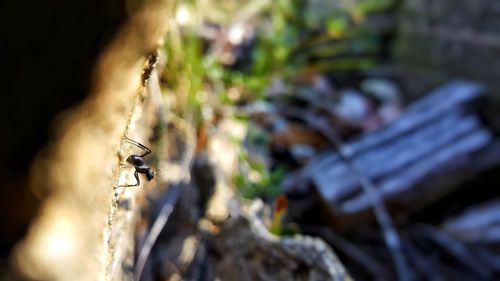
[84, 230]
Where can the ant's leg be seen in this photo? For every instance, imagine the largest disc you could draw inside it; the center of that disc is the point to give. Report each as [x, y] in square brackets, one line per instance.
[140, 145]
[136, 175]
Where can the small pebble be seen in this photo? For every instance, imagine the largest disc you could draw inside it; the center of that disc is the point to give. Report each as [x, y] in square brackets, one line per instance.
[383, 89]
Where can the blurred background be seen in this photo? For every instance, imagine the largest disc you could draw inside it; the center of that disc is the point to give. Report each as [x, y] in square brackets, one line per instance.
[370, 125]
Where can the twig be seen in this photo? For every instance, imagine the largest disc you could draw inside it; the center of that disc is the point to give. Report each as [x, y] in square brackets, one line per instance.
[172, 196]
[355, 253]
[458, 249]
[392, 239]
[173, 192]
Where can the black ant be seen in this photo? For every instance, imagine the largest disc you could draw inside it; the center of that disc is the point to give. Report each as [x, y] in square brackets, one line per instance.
[138, 162]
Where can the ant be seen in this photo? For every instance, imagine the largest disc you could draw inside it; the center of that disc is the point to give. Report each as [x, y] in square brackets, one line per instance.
[138, 162]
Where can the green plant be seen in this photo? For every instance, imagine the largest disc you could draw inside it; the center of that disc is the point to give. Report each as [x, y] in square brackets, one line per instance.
[295, 37]
[256, 181]
[292, 38]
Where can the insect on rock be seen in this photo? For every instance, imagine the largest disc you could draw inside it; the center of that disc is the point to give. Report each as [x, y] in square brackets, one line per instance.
[138, 163]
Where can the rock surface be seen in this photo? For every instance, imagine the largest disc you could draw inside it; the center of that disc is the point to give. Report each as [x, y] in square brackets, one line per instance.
[247, 251]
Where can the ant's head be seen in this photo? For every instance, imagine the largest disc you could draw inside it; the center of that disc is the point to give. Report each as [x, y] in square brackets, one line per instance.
[150, 175]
